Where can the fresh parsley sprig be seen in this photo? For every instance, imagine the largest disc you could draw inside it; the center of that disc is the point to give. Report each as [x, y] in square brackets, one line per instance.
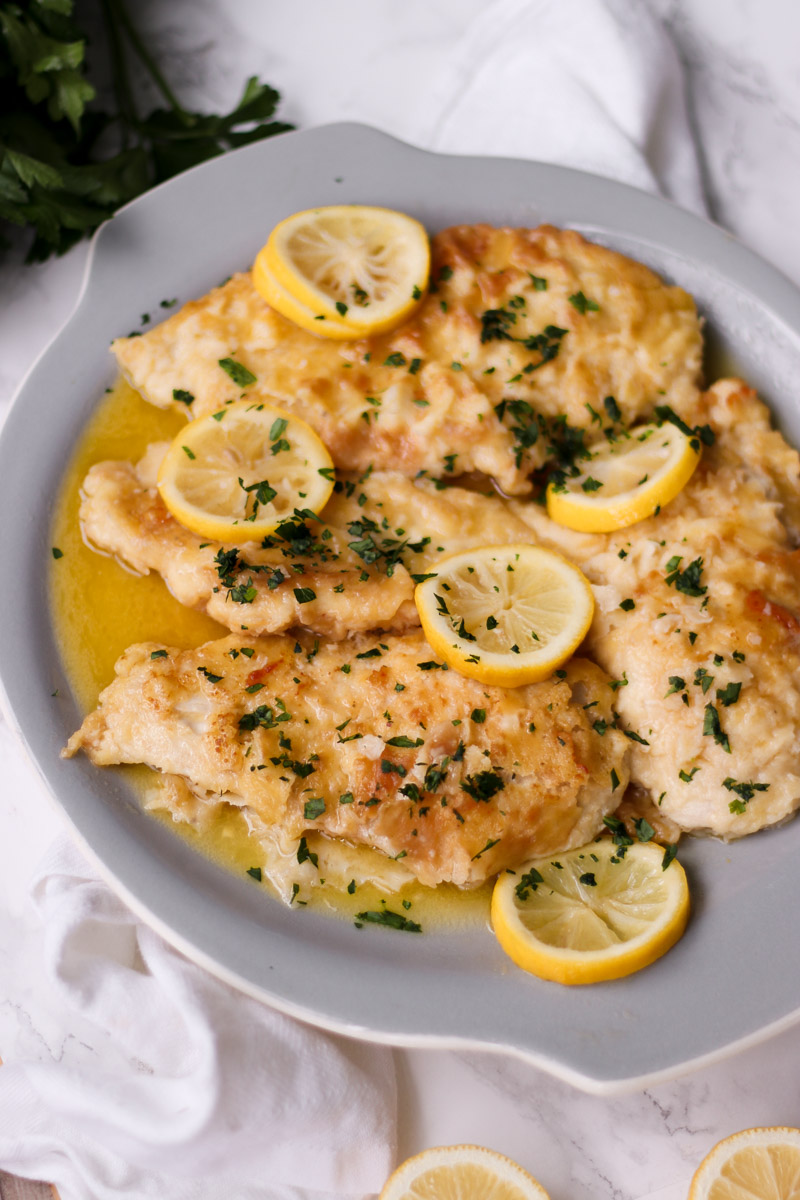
[65, 167]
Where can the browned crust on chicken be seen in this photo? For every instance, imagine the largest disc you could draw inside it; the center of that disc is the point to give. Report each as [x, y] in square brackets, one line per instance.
[304, 737]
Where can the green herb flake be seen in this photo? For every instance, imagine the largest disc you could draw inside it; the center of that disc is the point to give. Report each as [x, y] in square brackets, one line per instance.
[182, 396]
[582, 303]
[313, 808]
[729, 694]
[56, 553]
[712, 728]
[158, 654]
[254, 873]
[391, 920]
[238, 373]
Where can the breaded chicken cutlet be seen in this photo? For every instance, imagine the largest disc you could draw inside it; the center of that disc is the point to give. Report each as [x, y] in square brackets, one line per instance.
[539, 318]
[353, 740]
[707, 647]
[349, 572]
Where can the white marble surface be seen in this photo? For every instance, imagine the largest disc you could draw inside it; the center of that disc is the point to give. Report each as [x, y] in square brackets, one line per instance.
[744, 90]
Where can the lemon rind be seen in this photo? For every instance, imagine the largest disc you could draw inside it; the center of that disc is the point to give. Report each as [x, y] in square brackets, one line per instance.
[591, 514]
[383, 315]
[576, 967]
[494, 667]
[227, 530]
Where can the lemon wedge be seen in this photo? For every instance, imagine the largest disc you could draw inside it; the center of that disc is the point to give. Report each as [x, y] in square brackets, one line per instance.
[282, 300]
[461, 1173]
[236, 474]
[356, 266]
[506, 615]
[625, 480]
[591, 914]
[756, 1162]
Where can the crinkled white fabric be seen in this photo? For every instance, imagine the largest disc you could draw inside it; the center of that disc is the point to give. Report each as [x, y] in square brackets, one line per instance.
[592, 84]
[149, 1077]
[131, 1073]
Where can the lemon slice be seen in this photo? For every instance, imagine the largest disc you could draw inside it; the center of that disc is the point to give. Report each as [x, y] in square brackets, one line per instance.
[294, 310]
[461, 1173]
[236, 474]
[756, 1162]
[505, 615]
[590, 914]
[625, 480]
[350, 262]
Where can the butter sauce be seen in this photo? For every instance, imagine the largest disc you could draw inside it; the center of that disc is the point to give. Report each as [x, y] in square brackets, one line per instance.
[99, 607]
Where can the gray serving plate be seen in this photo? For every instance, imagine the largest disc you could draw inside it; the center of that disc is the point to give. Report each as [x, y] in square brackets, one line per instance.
[735, 976]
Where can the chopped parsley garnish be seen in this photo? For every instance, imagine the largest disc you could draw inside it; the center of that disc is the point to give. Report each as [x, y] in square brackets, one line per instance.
[265, 717]
[644, 830]
[687, 581]
[158, 654]
[582, 303]
[491, 842]
[304, 595]
[483, 785]
[745, 791]
[670, 851]
[612, 408]
[704, 432]
[528, 883]
[635, 737]
[478, 715]
[712, 728]
[588, 879]
[306, 855]
[627, 605]
[404, 743]
[255, 873]
[56, 552]
[539, 282]
[238, 373]
[210, 676]
[182, 396]
[676, 684]
[591, 485]
[688, 776]
[395, 360]
[391, 920]
[729, 694]
[614, 780]
[313, 808]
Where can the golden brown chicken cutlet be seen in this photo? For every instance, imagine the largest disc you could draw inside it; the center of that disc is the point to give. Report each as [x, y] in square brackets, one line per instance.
[707, 646]
[522, 329]
[374, 742]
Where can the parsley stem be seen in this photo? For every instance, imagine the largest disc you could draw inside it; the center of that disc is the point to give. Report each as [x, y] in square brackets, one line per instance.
[121, 18]
[122, 86]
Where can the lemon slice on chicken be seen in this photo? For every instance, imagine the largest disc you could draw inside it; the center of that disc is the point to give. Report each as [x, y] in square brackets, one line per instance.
[763, 1162]
[236, 474]
[506, 615]
[625, 479]
[591, 914]
[461, 1173]
[355, 265]
[284, 302]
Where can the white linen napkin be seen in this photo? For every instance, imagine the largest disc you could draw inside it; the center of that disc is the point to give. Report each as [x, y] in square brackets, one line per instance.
[129, 1071]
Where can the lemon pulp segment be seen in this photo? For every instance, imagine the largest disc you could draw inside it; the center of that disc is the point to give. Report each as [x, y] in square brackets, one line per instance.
[591, 914]
[506, 615]
[284, 302]
[236, 474]
[625, 479]
[763, 1162]
[461, 1173]
[355, 263]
